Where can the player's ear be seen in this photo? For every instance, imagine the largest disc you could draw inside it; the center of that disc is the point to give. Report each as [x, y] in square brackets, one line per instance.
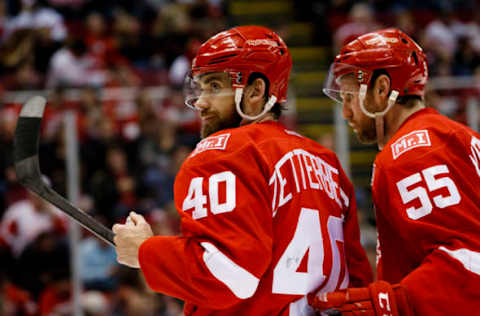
[381, 90]
[255, 95]
[256, 89]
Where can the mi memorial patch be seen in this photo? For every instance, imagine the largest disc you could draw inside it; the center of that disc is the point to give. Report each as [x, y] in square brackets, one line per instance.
[412, 140]
[218, 142]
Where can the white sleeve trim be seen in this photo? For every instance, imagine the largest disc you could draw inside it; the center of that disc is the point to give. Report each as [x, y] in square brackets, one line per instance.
[469, 259]
[241, 282]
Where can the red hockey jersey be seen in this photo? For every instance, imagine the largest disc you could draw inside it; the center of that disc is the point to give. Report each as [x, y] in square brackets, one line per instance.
[267, 216]
[426, 191]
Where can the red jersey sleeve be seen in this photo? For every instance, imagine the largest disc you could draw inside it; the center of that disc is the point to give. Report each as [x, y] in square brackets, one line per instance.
[443, 285]
[226, 243]
[428, 216]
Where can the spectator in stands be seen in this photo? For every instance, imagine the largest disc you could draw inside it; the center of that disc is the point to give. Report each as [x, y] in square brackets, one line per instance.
[155, 162]
[34, 16]
[25, 77]
[174, 110]
[405, 21]
[182, 64]
[132, 42]
[97, 263]
[158, 180]
[164, 221]
[101, 134]
[91, 104]
[13, 300]
[157, 150]
[96, 303]
[465, 59]
[72, 66]
[59, 103]
[55, 299]
[113, 189]
[45, 47]
[15, 51]
[100, 44]
[362, 20]
[473, 31]
[43, 262]
[132, 298]
[171, 19]
[206, 18]
[120, 74]
[441, 34]
[171, 30]
[23, 221]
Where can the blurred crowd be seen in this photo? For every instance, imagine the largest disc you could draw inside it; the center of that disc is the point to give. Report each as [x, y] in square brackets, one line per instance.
[119, 67]
[448, 32]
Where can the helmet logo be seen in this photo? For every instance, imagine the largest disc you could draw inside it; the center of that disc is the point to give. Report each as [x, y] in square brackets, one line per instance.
[381, 40]
[236, 77]
[360, 76]
[258, 42]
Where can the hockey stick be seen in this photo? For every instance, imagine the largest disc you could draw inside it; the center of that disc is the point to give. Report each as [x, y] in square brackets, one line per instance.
[27, 168]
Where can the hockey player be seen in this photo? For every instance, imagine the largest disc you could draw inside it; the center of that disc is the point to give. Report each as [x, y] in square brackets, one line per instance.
[267, 215]
[425, 184]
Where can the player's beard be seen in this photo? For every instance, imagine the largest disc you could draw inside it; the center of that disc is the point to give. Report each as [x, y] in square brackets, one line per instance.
[366, 131]
[365, 126]
[217, 124]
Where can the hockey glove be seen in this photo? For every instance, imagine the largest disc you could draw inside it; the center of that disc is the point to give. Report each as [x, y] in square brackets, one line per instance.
[378, 299]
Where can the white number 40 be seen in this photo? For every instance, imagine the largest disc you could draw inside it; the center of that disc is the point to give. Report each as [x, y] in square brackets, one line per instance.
[308, 238]
[420, 193]
[197, 200]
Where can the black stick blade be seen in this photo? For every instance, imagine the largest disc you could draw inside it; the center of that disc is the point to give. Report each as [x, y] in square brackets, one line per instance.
[27, 133]
[26, 141]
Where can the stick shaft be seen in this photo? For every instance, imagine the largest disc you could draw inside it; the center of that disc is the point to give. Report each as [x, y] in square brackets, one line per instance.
[26, 141]
[29, 175]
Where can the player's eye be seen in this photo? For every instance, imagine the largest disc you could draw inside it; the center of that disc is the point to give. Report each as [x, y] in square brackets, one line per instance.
[215, 86]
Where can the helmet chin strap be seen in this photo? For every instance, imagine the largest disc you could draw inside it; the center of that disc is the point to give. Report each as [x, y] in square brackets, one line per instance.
[238, 100]
[378, 116]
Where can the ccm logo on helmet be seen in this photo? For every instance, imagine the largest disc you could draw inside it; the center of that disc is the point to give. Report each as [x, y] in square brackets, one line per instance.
[258, 42]
[381, 40]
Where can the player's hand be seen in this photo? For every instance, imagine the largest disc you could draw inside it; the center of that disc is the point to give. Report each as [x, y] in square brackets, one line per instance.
[379, 299]
[129, 237]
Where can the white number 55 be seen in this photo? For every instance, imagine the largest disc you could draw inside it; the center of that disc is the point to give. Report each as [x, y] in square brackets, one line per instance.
[420, 193]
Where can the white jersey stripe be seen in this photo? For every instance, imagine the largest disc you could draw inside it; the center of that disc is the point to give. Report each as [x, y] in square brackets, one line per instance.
[469, 259]
[241, 282]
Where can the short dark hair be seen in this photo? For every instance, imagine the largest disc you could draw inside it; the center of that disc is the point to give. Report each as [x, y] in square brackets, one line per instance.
[407, 101]
[278, 107]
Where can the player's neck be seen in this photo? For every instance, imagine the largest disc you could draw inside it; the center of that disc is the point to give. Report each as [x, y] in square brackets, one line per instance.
[396, 116]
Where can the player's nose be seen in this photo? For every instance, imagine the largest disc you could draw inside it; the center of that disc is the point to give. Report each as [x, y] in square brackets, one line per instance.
[347, 111]
[201, 103]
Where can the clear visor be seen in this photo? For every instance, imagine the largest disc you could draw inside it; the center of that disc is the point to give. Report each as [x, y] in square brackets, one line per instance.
[206, 86]
[343, 82]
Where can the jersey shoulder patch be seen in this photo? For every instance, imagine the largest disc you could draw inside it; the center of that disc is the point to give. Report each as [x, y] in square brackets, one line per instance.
[419, 138]
[216, 142]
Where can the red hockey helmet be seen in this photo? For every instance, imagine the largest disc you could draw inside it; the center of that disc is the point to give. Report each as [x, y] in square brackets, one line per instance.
[389, 49]
[244, 50]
